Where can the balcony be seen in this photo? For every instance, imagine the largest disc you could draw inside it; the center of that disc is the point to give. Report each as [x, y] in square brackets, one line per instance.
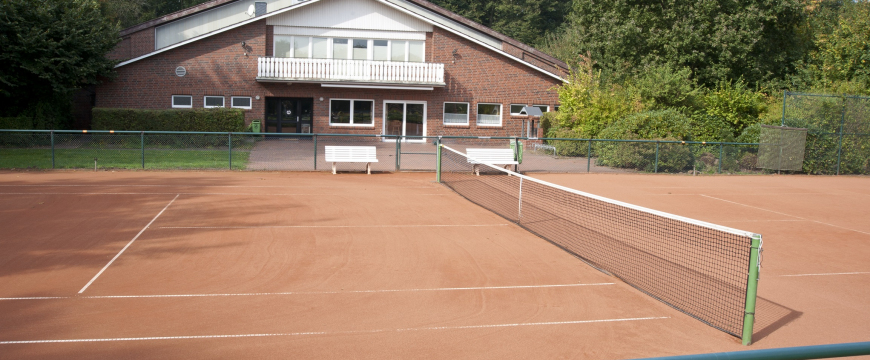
[351, 73]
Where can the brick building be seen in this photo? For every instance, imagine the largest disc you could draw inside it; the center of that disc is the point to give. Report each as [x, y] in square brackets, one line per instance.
[397, 67]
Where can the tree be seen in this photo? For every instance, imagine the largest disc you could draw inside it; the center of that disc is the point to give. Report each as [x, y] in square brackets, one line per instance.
[755, 40]
[51, 48]
[127, 13]
[528, 21]
[842, 46]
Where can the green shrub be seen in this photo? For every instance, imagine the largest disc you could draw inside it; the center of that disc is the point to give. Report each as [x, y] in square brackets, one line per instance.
[206, 120]
[651, 125]
[19, 123]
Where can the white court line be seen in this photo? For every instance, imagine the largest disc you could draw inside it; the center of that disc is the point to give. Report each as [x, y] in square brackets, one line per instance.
[325, 226]
[128, 245]
[303, 292]
[206, 186]
[828, 274]
[183, 193]
[781, 213]
[798, 220]
[193, 337]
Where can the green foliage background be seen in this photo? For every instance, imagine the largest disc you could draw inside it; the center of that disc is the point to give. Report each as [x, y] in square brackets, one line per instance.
[208, 120]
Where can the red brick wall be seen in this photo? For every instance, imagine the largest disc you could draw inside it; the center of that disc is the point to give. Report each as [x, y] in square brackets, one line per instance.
[217, 66]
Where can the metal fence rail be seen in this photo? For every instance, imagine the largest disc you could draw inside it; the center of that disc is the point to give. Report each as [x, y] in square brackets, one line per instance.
[791, 353]
[69, 149]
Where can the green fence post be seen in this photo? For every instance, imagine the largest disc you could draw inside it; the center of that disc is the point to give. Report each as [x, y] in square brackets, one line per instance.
[840, 141]
[751, 289]
[657, 157]
[784, 94]
[52, 149]
[315, 151]
[589, 155]
[720, 158]
[398, 152]
[230, 144]
[517, 153]
[438, 161]
[142, 142]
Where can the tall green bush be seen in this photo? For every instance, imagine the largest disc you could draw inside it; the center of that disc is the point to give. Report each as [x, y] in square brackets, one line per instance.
[650, 125]
[207, 120]
[20, 123]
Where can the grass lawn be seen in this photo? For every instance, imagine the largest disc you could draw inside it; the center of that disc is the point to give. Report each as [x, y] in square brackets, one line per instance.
[121, 159]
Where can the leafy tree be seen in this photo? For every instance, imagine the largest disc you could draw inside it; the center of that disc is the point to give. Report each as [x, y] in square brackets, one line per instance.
[528, 21]
[131, 12]
[51, 48]
[717, 39]
[840, 61]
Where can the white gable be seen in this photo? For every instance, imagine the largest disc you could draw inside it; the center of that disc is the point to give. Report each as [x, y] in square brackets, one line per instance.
[350, 14]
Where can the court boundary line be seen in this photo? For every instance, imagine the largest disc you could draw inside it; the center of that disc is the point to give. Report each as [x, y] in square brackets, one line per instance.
[327, 226]
[306, 292]
[782, 213]
[128, 245]
[190, 193]
[828, 274]
[346, 332]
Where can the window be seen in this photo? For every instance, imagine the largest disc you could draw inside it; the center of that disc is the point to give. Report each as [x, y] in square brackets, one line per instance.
[489, 114]
[339, 48]
[213, 101]
[351, 112]
[283, 46]
[182, 101]
[397, 53]
[380, 50]
[300, 46]
[319, 48]
[455, 113]
[240, 102]
[544, 108]
[557, 107]
[516, 109]
[360, 49]
[415, 51]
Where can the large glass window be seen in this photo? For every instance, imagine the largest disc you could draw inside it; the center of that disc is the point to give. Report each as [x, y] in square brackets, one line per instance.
[319, 48]
[455, 113]
[489, 114]
[351, 112]
[380, 50]
[283, 47]
[516, 109]
[397, 51]
[544, 108]
[415, 51]
[300, 46]
[360, 49]
[339, 48]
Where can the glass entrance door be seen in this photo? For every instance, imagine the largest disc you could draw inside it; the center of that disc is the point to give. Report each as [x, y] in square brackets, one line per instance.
[405, 118]
[289, 115]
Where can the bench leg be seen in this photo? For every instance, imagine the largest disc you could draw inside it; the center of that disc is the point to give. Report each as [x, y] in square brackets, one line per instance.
[369, 168]
[475, 169]
[333, 168]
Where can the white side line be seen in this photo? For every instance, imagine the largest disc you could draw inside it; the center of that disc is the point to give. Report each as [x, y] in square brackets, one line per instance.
[208, 186]
[128, 245]
[192, 337]
[781, 213]
[325, 226]
[303, 292]
[188, 193]
[826, 274]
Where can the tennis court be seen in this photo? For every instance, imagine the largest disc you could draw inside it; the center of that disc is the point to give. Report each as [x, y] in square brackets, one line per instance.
[314, 265]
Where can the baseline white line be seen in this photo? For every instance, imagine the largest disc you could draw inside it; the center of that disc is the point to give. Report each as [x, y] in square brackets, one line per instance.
[128, 245]
[466, 327]
[303, 292]
[781, 213]
[189, 193]
[207, 186]
[828, 274]
[325, 226]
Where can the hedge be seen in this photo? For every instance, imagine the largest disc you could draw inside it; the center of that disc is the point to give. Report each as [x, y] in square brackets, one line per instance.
[20, 123]
[211, 120]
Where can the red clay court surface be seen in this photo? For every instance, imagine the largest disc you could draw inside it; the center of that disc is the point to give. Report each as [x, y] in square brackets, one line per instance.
[314, 265]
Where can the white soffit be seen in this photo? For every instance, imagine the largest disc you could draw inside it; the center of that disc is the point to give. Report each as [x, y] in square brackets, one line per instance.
[351, 14]
[350, 33]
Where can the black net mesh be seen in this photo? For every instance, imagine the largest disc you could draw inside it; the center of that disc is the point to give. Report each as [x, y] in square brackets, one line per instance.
[697, 269]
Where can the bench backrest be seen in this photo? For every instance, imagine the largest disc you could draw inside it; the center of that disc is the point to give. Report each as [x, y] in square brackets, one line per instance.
[492, 156]
[351, 153]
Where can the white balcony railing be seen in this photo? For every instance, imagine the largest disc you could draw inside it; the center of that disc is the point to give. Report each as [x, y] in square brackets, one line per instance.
[333, 70]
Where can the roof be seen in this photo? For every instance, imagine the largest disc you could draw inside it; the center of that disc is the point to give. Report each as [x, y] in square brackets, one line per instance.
[465, 22]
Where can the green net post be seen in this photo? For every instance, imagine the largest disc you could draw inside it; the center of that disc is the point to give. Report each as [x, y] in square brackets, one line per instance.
[751, 290]
[142, 143]
[52, 149]
[398, 152]
[784, 95]
[720, 158]
[840, 140]
[315, 151]
[438, 161]
[657, 157]
[230, 144]
[589, 156]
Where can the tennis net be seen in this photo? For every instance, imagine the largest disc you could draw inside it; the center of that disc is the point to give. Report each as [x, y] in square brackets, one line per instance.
[698, 268]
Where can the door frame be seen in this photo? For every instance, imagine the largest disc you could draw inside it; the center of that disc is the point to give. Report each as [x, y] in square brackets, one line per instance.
[280, 117]
[404, 118]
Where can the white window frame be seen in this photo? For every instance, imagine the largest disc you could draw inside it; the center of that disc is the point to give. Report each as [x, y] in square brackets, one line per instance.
[500, 115]
[444, 114]
[182, 106]
[223, 101]
[352, 124]
[545, 106]
[329, 47]
[517, 113]
[250, 101]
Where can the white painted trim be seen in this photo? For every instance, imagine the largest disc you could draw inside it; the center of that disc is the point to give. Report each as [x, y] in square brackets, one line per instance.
[500, 115]
[251, 100]
[352, 124]
[223, 101]
[182, 106]
[467, 115]
[620, 203]
[348, 33]
[377, 87]
[518, 113]
[293, 7]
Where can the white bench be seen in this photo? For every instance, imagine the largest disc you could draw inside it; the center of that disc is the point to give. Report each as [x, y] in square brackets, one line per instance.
[366, 154]
[490, 156]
